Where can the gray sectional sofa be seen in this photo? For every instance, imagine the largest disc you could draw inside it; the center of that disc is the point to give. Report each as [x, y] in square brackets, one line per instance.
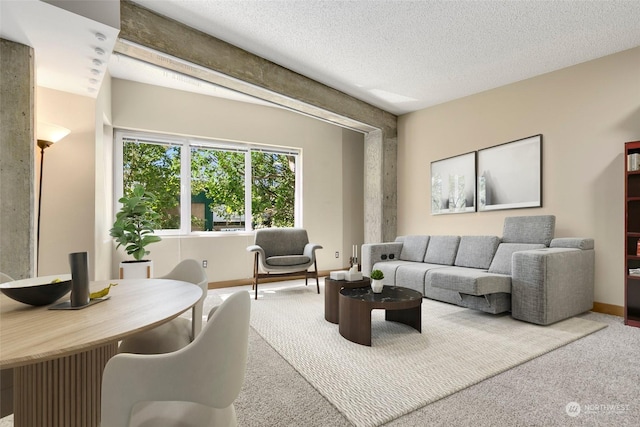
[538, 278]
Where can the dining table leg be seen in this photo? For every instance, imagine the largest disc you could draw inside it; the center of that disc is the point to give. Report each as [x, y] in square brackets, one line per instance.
[63, 392]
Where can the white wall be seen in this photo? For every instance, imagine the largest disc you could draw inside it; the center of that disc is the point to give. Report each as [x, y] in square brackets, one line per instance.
[586, 113]
[103, 201]
[149, 108]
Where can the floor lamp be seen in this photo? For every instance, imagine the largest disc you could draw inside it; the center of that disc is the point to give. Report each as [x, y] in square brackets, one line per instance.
[48, 134]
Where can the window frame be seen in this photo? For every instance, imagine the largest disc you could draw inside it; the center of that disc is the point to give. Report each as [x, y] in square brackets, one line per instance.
[186, 143]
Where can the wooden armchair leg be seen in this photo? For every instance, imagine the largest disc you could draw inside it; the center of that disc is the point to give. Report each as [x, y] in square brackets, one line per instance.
[307, 274]
[315, 266]
[255, 275]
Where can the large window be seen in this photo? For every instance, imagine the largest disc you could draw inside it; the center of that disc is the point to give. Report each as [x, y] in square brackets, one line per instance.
[203, 185]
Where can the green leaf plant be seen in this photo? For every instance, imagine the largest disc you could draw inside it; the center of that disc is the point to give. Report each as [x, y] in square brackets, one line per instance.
[377, 275]
[133, 227]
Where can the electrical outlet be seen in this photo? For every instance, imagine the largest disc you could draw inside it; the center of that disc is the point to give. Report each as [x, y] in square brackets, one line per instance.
[337, 254]
[205, 263]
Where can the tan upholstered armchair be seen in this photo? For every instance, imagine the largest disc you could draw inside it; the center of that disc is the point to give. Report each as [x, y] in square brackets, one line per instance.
[281, 252]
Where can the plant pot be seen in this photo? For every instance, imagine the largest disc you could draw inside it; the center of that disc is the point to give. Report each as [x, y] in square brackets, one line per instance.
[376, 285]
[136, 269]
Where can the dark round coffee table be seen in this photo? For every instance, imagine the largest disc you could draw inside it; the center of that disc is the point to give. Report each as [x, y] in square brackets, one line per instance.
[332, 291]
[355, 305]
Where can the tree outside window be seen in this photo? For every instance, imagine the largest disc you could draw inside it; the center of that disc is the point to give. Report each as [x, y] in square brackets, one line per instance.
[157, 168]
[273, 190]
[218, 181]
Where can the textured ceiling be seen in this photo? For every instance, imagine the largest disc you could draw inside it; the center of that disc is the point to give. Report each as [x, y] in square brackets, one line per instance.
[400, 56]
[406, 55]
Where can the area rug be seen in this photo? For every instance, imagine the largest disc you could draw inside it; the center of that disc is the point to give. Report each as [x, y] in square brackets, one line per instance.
[403, 370]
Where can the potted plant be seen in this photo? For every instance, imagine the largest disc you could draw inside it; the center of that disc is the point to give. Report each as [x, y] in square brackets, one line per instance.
[133, 229]
[376, 281]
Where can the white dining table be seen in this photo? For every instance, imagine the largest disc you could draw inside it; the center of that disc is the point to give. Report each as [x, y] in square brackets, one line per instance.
[58, 355]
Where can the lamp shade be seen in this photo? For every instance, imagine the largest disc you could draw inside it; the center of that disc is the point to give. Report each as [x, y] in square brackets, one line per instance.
[50, 132]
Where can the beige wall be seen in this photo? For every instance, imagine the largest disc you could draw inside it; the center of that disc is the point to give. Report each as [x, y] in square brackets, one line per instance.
[325, 177]
[353, 191]
[68, 189]
[585, 114]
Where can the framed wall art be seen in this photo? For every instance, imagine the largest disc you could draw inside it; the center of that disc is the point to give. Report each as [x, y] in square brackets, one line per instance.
[510, 175]
[453, 187]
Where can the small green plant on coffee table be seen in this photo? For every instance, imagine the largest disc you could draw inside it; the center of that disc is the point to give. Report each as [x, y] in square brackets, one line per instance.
[377, 275]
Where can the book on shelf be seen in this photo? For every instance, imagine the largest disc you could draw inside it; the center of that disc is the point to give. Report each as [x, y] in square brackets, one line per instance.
[634, 272]
[633, 162]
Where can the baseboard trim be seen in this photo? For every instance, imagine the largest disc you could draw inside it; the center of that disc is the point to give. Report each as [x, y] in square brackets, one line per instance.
[598, 307]
[615, 310]
[249, 281]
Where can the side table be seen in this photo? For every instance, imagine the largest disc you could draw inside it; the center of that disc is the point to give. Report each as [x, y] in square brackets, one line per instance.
[332, 291]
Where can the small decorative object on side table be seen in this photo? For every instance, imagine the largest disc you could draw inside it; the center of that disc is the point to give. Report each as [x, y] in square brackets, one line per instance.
[376, 281]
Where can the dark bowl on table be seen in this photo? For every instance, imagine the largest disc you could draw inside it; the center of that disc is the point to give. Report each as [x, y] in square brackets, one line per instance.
[38, 294]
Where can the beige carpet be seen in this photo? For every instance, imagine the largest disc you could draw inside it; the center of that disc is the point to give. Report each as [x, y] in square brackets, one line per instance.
[403, 370]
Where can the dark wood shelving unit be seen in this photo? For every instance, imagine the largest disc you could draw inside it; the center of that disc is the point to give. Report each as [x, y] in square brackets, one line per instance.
[632, 236]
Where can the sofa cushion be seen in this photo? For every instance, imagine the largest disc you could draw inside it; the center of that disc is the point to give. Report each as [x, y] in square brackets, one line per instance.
[442, 250]
[412, 275]
[414, 248]
[529, 229]
[389, 268]
[502, 260]
[469, 281]
[476, 251]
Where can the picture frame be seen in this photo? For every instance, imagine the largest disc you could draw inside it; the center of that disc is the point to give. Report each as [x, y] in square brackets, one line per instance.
[510, 175]
[453, 184]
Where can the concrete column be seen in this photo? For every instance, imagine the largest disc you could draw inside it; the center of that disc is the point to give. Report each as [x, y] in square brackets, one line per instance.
[380, 186]
[17, 151]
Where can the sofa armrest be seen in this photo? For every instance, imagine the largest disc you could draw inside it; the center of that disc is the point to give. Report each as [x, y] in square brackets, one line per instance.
[552, 284]
[378, 252]
[310, 250]
[256, 248]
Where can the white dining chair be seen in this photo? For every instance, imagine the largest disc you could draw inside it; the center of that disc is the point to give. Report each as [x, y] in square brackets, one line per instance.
[179, 332]
[194, 386]
[6, 376]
